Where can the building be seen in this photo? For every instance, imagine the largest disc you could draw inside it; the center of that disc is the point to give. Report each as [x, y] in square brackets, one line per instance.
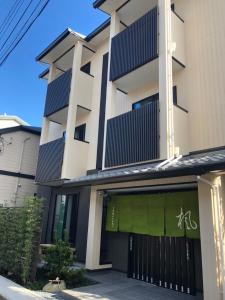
[133, 142]
[19, 144]
[7, 121]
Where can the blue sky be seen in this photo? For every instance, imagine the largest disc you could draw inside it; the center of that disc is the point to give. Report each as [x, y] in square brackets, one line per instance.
[21, 92]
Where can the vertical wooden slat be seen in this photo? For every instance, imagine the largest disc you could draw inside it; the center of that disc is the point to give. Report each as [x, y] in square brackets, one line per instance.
[135, 46]
[58, 93]
[131, 136]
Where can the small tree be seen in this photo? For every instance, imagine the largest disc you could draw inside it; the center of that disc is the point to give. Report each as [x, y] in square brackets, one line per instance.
[59, 258]
[20, 229]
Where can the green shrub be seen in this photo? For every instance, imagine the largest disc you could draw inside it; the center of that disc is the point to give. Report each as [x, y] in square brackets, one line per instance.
[59, 257]
[20, 230]
[73, 277]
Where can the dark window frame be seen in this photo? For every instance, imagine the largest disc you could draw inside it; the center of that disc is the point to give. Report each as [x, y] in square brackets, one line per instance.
[80, 127]
[155, 97]
[86, 68]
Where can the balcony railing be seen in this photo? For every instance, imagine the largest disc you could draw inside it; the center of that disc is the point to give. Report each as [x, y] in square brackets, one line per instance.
[58, 93]
[135, 46]
[50, 160]
[133, 137]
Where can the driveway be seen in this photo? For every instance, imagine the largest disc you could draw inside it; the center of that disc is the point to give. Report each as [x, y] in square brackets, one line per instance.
[116, 286]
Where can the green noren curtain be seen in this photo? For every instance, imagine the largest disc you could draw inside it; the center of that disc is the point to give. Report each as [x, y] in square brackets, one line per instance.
[125, 213]
[140, 214]
[171, 214]
[156, 215]
[112, 221]
[174, 224]
[190, 203]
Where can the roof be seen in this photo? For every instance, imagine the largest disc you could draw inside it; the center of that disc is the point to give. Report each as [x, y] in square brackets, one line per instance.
[30, 129]
[77, 35]
[58, 40]
[13, 118]
[98, 30]
[98, 3]
[193, 164]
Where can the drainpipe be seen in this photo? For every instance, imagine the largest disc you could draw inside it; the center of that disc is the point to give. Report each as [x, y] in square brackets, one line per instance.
[20, 167]
[214, 188]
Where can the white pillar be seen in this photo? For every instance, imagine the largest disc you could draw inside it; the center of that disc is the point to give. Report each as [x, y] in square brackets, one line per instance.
[211, 211]
[72, 109]
[111, 88]
[94, 232]
[46, 122]
[165, 80]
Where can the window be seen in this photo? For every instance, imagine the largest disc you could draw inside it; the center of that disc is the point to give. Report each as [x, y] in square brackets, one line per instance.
[145, 101]
[80, 133]
[154, 97]
[86, 68]
[175, 95]
[65, 218]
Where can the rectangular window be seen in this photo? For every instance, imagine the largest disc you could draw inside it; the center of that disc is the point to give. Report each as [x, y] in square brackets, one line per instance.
[86, 68]
[65, 218]
[154, 97]
[79, 133]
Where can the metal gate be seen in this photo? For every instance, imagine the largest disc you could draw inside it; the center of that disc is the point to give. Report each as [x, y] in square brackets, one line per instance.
[163, 261]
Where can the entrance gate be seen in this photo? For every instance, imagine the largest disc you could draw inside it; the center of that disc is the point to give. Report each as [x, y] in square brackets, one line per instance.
[163, 261]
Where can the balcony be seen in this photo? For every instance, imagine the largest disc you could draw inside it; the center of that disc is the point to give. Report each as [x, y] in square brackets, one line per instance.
[50, 160]
[133, 137]
[58, 94]
[135, 52]
[135, 46]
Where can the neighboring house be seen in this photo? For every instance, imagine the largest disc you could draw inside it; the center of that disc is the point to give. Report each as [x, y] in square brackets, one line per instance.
[11, 121]
[19, 146]
[133, 143]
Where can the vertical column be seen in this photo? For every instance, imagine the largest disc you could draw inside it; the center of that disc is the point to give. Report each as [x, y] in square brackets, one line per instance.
[165, 80]
[111, 88]
[211, 210]
[94, 232]
[72, 111]
[46, 123]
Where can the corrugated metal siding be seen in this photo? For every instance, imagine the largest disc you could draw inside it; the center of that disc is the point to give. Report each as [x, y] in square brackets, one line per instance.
[58, 93]
[135, 46]
[133, 137]
[50, 161]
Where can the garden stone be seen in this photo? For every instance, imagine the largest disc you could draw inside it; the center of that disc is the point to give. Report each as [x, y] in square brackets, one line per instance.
[54, 287]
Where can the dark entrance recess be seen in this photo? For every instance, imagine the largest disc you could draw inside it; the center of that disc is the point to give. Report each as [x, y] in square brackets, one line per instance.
[65, 218]
[167, 262]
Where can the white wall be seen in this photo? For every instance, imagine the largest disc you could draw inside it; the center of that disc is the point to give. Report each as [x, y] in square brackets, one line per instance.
[203, 78]
[10, 195]
[10, 160]
[10, 157]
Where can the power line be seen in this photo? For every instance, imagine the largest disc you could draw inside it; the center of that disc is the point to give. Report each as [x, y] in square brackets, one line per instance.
[17, 23]
[11, 18]
[12, 9]
[6, 54]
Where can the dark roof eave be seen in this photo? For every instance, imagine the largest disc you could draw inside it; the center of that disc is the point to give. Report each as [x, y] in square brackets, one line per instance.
[30, 129]
[44, 73]
[58, 40]
[98, 3]
[98, 30]
[185, 171]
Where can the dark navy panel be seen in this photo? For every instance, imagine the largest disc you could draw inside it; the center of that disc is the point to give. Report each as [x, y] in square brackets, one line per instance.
[58, 93]
[101, 123]
[135, 46]
[133, 137]
[50, 161]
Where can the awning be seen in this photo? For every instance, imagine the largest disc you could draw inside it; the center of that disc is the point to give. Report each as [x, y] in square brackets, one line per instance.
[193, 164]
